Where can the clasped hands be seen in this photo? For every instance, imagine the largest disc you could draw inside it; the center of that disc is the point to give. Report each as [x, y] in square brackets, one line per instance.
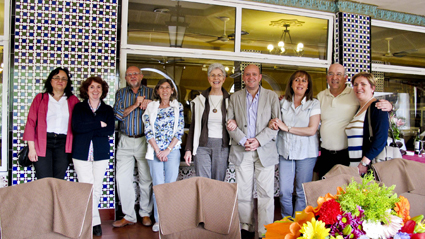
[141, 102]
[162, 155]
[251, 144]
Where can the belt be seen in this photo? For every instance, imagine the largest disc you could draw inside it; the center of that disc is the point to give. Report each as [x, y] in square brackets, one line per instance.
[56, 135]
[135, 136]
[334, 151]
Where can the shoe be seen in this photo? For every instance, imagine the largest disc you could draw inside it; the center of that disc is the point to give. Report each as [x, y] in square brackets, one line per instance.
[155, 227]
[97, 230]
[146, 221]
[122, 223]
[247, 234]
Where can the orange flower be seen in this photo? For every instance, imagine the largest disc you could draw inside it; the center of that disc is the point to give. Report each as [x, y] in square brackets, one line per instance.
[288, 228]
[402, 208]
[327, 197]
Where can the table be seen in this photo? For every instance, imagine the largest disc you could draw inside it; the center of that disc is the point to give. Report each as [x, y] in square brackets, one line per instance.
[415, 158]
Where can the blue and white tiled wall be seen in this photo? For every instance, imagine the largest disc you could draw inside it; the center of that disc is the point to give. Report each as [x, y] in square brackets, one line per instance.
[77, 34]
[352, 42]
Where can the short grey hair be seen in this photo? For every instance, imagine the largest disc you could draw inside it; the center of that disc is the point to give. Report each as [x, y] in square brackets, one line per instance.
[214, 66]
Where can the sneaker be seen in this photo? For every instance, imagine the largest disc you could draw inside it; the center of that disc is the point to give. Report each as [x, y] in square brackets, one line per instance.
[155, 227]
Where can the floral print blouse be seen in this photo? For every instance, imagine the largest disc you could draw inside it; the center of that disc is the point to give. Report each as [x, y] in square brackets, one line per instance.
[164, 126]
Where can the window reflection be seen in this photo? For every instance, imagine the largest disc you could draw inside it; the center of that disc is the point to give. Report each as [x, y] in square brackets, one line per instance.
[190, 74]
[2, 18]
[284, 34]
[407, 94]
[181, 24]
[398, 47]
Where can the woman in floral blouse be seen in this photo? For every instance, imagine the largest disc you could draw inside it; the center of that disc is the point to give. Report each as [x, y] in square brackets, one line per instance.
[164, 122]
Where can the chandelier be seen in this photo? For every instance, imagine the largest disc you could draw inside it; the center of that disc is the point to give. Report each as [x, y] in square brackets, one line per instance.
[280, 49]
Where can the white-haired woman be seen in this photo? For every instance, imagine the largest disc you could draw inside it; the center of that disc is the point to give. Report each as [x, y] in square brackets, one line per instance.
[208, 140]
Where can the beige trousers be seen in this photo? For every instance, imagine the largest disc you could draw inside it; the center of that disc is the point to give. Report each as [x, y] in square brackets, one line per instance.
[249, 172]
[129, 152]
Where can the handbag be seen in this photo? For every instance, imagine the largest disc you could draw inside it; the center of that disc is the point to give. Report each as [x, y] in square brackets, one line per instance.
[23, 154]
[389, 152]
[23, 157]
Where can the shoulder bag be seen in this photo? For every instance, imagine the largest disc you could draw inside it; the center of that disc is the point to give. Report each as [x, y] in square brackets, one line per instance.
[389, 152]
[23, 154]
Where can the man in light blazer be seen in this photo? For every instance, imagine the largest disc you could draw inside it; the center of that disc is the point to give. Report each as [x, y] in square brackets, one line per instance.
[253, 148]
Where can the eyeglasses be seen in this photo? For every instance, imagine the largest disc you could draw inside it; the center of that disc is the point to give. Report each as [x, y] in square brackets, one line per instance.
[339, 74]
[132, 74]
[214, 76]
[60, 79]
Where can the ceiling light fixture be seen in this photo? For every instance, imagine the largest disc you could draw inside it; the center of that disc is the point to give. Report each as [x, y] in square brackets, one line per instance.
[283, 43]
[177, 28]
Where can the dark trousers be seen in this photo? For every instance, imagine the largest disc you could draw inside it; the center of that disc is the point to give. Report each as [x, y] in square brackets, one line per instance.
[56, 161]
[330, 158]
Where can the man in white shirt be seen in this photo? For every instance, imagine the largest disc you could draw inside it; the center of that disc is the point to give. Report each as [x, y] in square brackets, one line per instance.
[338, 104]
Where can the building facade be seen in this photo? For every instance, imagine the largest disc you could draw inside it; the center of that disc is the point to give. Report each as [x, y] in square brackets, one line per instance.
[179, 39]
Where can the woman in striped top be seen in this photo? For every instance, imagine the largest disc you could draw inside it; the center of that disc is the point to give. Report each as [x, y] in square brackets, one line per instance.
[361, 146]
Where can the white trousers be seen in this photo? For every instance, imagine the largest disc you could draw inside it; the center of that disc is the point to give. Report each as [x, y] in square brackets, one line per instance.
[129, 152]
[92, 172]
[250, 169]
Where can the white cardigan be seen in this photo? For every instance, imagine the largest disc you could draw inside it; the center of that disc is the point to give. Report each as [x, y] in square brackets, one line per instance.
[152, 112]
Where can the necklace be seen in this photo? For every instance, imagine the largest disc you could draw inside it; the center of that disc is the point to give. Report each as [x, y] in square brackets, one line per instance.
[214, 106]
[360, 110]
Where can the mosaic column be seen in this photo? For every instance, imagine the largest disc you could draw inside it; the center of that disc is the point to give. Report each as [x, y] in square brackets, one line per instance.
[79, 35]
[352, 42]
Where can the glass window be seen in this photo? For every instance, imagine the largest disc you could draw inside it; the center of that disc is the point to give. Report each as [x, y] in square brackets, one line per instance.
[407, 94]
[284, 34]
[1, 17]
[181, 24]
[398, 47]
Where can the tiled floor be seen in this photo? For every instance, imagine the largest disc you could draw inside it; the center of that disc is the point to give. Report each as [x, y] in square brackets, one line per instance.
[139, 231]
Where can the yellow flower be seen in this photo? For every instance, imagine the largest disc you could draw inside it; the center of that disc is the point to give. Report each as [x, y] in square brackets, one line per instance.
[314, 230]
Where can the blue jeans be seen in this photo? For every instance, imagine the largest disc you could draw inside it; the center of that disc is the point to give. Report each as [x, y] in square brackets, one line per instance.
[302, 172]
[164, 172]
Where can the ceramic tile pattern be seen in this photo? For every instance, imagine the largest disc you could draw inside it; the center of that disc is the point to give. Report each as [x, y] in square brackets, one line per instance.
[79, 35]
[352, 42]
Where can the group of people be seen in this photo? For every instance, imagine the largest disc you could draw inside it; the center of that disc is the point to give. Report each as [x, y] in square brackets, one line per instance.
[252, 129]
[61, 129]
[264, 131]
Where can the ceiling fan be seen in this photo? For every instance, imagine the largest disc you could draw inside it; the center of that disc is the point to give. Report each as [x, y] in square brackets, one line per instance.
[224, 37]
[397, 54]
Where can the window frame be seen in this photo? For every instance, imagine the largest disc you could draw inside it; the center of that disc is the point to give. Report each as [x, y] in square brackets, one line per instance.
[397, 68]
[236, 55]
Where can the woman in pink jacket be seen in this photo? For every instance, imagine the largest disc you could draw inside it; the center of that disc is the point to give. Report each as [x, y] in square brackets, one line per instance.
[48, 129]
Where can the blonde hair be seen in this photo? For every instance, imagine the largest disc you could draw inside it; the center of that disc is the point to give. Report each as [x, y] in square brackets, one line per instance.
[367, 75]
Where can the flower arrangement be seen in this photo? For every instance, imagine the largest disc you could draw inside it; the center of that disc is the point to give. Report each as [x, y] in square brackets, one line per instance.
[395, 123]
[361, 210]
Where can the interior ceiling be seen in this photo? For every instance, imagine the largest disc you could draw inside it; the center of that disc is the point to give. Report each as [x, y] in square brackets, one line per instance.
[206, 26]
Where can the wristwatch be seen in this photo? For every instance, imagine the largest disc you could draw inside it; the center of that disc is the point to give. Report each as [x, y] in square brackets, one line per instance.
[289, 128]
[364, 164]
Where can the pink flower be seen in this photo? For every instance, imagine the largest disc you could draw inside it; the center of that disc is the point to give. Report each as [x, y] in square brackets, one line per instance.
[399, 122]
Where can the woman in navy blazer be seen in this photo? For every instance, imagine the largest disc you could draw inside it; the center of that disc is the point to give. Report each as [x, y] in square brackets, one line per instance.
[92, 123]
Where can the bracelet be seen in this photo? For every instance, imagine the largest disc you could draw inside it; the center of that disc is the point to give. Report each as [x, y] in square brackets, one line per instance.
[170, 149]
[289, 128]
[363, 163]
